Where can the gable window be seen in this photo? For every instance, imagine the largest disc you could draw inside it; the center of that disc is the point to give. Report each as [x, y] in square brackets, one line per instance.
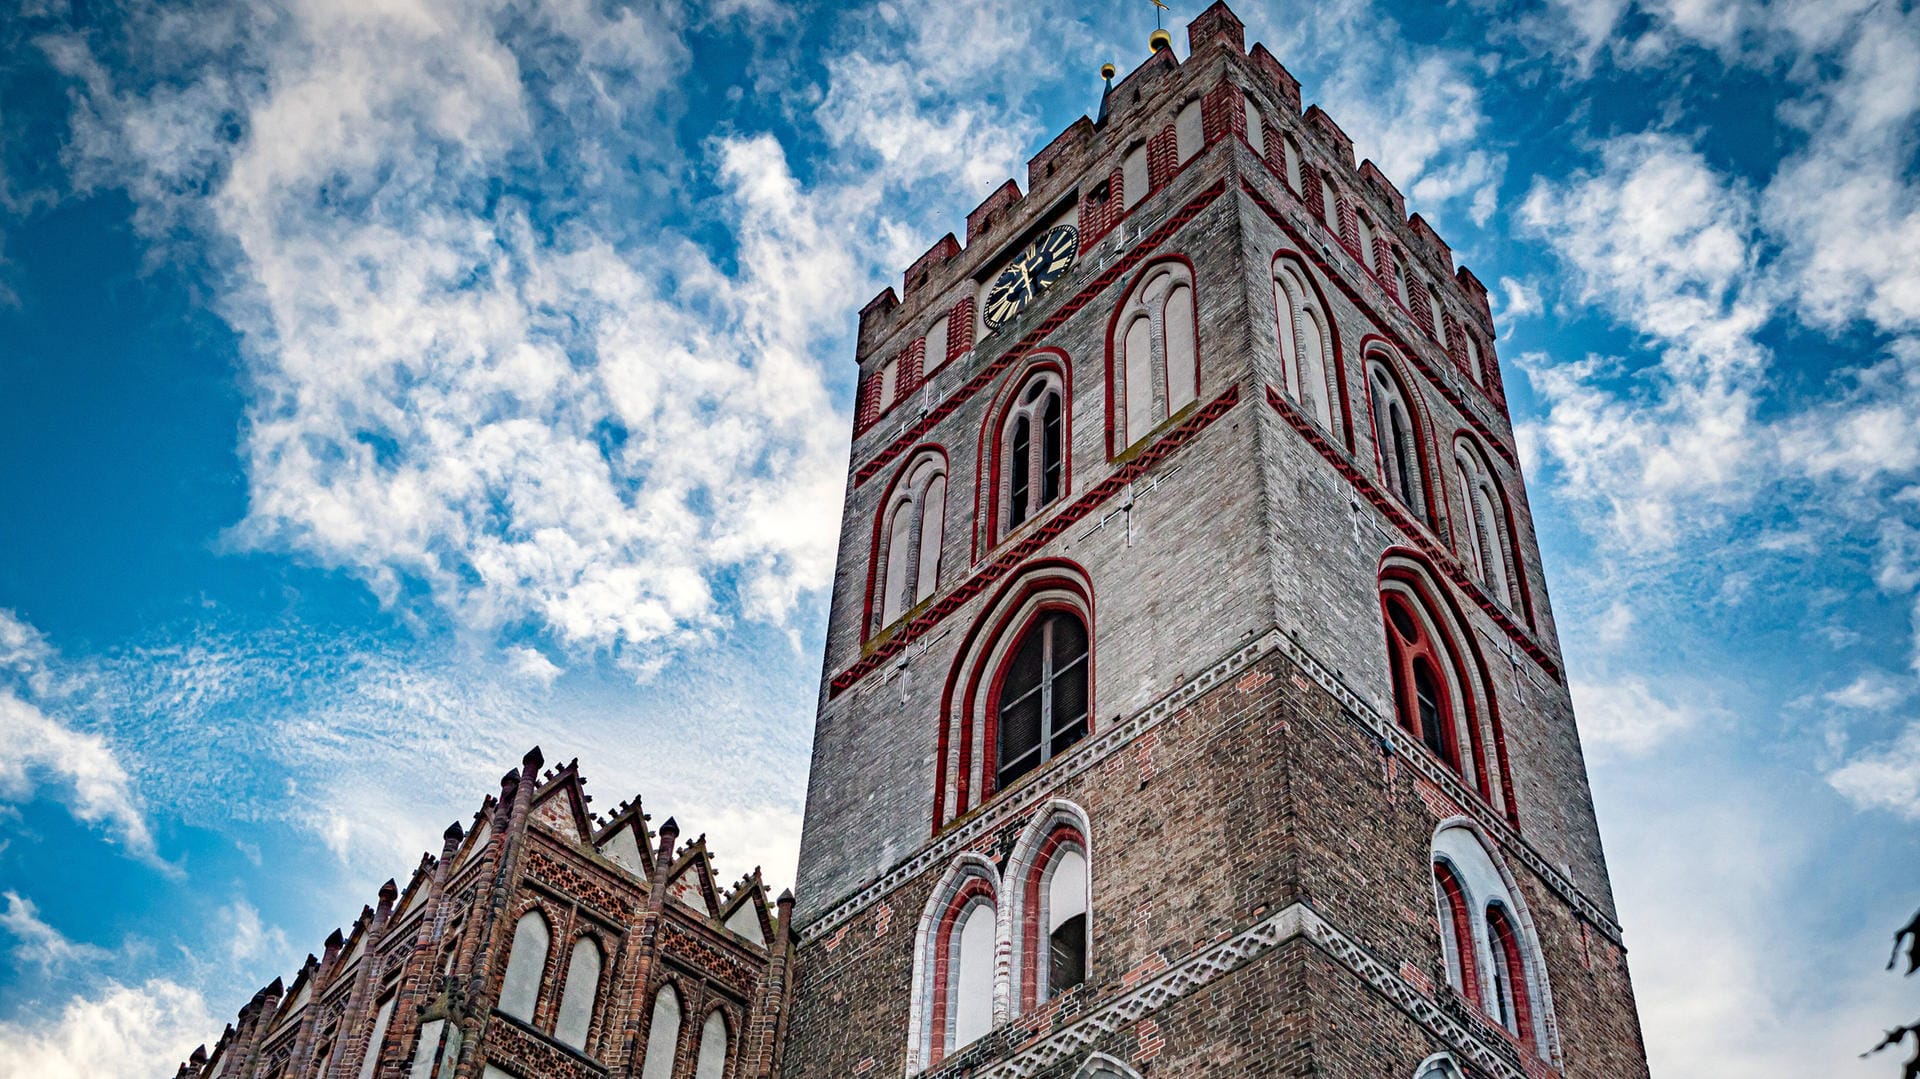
[663, 1035]
[1305, 346]
[526, 964]
[581, 992]
[1042, 704]
[1189, 132]
[912, 531]
[1153, 366]
[712, 1060]
[1033, 445]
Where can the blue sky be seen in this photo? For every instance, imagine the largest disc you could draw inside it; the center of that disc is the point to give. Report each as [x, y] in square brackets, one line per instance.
[386, 387]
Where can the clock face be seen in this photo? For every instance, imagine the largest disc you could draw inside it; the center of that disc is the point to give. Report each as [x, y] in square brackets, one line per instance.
[1029, 274]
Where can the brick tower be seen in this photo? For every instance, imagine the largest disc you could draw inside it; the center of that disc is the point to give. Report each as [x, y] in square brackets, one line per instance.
[1192, 704]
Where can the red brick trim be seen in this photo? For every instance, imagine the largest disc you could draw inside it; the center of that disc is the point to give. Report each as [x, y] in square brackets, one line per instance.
[1431, 548]
[1048, 530]
[1035, 336]
[1353, 296]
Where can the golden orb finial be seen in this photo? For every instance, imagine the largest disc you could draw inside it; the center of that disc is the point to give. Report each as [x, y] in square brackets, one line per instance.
[1107, 70]
[1160, 39]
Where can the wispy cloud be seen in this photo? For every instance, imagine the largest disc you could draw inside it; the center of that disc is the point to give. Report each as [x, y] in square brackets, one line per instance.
[39, 944]
[143, 1029]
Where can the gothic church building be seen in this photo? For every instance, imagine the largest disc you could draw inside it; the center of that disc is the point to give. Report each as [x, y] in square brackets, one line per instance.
[1192, 704]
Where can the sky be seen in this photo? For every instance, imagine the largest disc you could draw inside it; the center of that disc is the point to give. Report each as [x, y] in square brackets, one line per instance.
[387, 386]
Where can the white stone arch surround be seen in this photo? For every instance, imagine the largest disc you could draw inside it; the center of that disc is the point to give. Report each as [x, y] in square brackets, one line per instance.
[965, 867]
[967, 769]
[1439, 1066]
[1462, 846]
[1052, 815]
[1102, 1066]
[1485, 530]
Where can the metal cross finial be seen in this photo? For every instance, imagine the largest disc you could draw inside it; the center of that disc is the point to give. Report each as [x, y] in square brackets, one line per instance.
[1159, 6]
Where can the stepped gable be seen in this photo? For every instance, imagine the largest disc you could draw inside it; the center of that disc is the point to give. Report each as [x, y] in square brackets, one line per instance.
[446, 965]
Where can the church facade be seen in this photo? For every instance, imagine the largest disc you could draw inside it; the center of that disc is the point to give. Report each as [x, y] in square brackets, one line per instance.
[1192, 704]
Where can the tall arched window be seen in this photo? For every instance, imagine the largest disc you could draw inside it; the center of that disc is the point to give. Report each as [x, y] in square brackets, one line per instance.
[1421, 695]
[1456, 931]
[1329, 205]
[370, 1057]
[1400, 280]
[1066, 921]
[1396, 438]
[1189, 132]
[1153, 363]
[1306, 347]
[712, 1060]
[1508, 975]
[1292, 151]
[1437, 314]
[1474, 369]
[663, 1035]
[913, 528]
[1368, 256]
[1256, 127]
[1136, 180]
[937, 345]
[1041, 707]
[1497, 971]
[1486, 544]
[581, 992]
[952, 1002]
[526, 964]
[1033, 450]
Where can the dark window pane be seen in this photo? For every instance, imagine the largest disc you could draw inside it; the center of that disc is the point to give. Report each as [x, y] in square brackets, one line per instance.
[1426, 690]
[1403, 622]
[1050, 462]
[1067, 963]
[1070, 694]
[1020, 465]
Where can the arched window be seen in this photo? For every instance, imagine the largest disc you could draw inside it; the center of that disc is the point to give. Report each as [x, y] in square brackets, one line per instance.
[1136, 182]
[911, 536]
[1102, 1066]
[1189, 132]
[1440, 1066]
[1485, 540]
[526, 964]
[1437, 314]
[1396, 438]
[1400, 280]
[581, 992]
[712, 1061]
[1033, 450]
[1306, 347]
[1329, 205]
[1066, 922]
[1256, 127]
[955, 950]
[1421, 695]
[663, 1035]
[1153, 363]
[1292, 151]
[370, 1058]
[1473, 358]
[1496, 969]
[1456, 931]
[1508, 974]
[1042, 704]
[1368, 256]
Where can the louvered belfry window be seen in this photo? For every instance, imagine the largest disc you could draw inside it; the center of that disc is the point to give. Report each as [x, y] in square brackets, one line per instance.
[1043, 697]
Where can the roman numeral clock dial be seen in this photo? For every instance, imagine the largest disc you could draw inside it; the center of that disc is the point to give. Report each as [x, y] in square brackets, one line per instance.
[1029, 274]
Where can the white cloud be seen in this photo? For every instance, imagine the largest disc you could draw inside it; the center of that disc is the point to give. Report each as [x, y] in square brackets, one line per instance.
[1872, 691]
[1627, 717]
[47, 750]
[1886, 778]
[39, 944]
[248, 937]
[533, 665]
[120, 1030]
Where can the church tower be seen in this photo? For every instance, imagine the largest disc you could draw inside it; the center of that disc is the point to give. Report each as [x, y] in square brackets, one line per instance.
[1192, 702]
